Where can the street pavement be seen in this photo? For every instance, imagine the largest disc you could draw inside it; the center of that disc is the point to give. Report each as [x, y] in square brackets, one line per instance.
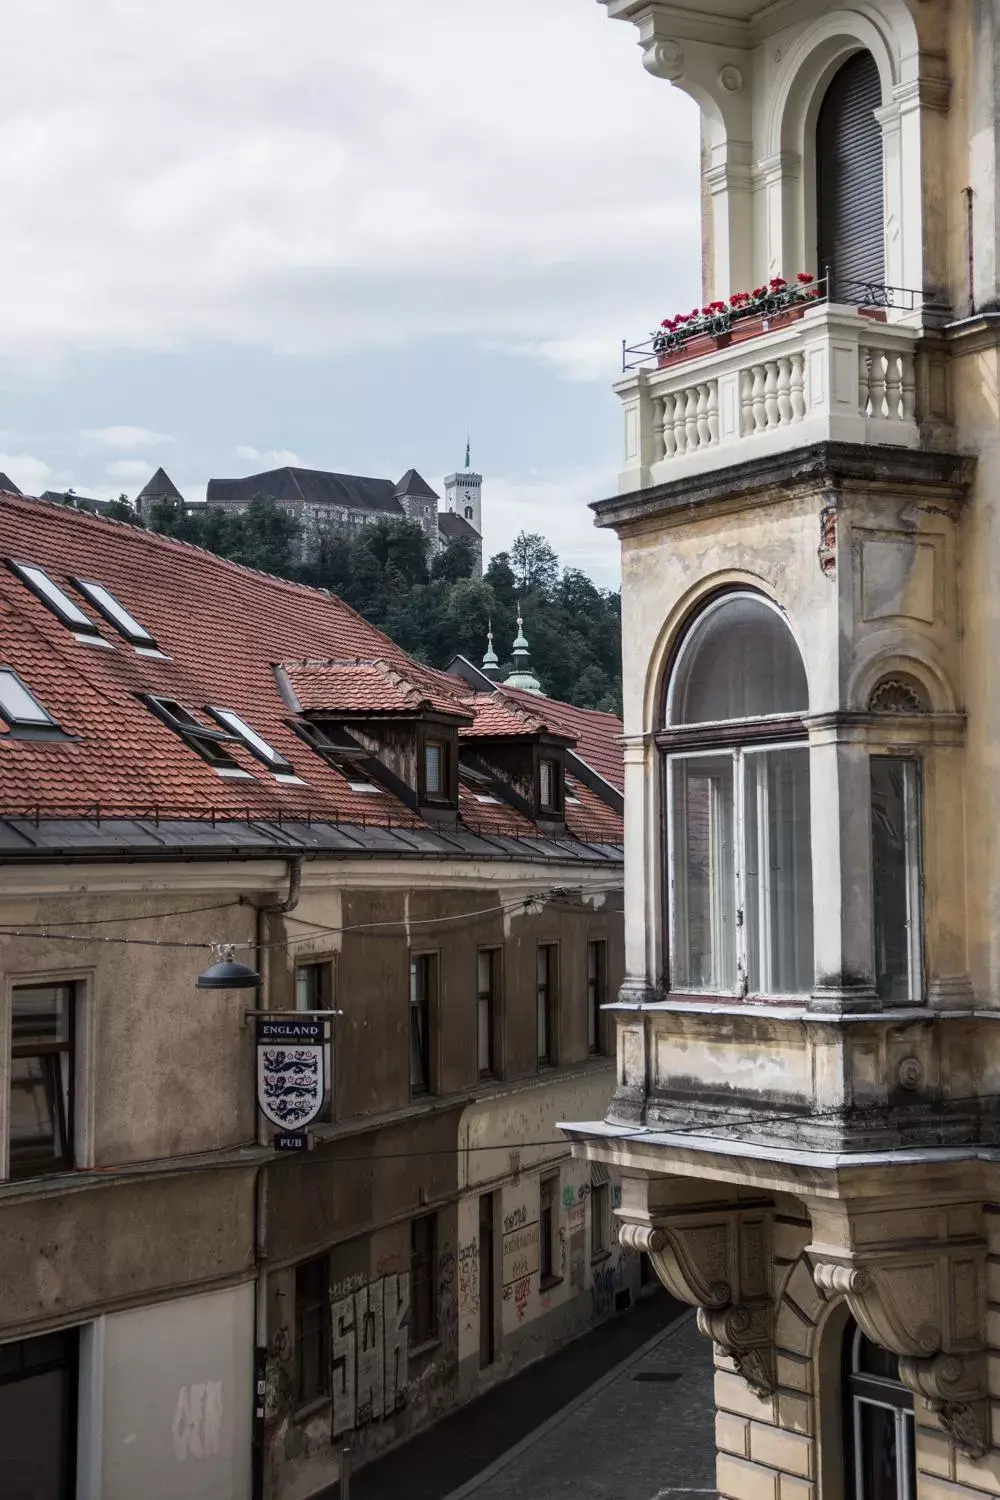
[625, 1411]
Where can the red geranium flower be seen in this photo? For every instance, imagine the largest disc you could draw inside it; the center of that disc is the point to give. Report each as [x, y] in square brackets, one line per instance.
[777, 282]
[804, 277]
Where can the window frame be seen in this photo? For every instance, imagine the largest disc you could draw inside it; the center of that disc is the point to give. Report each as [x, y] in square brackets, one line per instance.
[67, 1090]
[83, 626]
[328, 991]
[733, 738]
[427, 961]
[597, 989]
[141, 638]
[206, 742]
[913, 880]
[444, 736]
[426, 1283]
[317, 1302]
[548, 1230]
[547, 1057]
[555, 807]
[600, 1220]
[491, 998]
[863, 1389]
[258, 746]
[28, 729]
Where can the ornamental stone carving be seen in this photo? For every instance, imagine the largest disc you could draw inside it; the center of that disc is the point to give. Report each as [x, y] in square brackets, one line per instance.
[925, 1305]
[664, 59]
[717, 1259]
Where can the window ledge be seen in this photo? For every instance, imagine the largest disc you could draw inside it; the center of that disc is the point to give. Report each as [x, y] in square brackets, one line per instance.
[311, 1409]
[416, 1351]
[546, 1283]
[599, 1255]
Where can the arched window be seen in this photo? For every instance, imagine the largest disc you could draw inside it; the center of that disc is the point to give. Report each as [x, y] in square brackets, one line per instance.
[850, 214]
[740, 873]
[468, 512]
[878, 1422]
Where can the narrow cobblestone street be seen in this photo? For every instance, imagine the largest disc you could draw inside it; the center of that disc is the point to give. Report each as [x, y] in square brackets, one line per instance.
[626, 1411]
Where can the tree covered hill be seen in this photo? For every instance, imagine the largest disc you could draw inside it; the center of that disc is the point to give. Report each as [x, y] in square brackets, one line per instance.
[432, 608]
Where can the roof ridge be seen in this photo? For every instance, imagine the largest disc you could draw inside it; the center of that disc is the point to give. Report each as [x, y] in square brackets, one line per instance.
[158, 538]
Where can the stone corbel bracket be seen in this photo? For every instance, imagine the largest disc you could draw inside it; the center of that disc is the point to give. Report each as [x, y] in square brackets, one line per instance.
[926, 1309]
[718, 1261]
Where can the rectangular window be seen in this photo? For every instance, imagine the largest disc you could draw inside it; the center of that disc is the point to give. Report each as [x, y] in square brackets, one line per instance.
[59, 602]
[596, 972]
[548, 1214]
[434, 784]
[115, 612]
[545, 966]
[209, 743]
[19, 707]
[255, 743]
[38, 1415]
[314, 991]
[312, 1330]
[741, 872]
[423, 1284]
[41, 1079]
[548, 785]
[897, 924]
[600, 1218]
[487, 968]
[422, 976]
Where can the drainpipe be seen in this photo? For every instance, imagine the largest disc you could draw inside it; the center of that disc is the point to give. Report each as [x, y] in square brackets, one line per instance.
[968, 195]
[258, 1450]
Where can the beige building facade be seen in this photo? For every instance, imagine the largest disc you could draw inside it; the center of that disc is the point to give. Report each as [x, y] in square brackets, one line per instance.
[806, 1101]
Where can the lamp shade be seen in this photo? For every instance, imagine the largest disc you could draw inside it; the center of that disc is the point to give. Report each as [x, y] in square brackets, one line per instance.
[227, 974]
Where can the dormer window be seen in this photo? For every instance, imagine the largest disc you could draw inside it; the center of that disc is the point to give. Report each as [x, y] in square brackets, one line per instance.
[434, 768]
[20, 709]
[59, 602]
[549, 786]
[437, 781]
[210, 744]
[117, 615]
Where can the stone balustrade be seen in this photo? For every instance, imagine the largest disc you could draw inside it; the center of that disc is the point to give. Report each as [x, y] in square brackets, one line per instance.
[829, 374]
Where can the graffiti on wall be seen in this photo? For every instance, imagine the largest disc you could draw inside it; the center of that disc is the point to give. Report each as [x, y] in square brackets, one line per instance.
[605, 1281]
[370, 1352]
[197, 1425]
[519, 1252]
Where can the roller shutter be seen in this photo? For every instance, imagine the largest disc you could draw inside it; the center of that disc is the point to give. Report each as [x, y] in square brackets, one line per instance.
[849, 179]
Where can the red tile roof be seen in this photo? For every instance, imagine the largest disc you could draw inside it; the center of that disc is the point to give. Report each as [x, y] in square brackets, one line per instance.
[377, 687]
[221, 627]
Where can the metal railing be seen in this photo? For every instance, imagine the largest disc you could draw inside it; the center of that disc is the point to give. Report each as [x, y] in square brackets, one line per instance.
[722, 320]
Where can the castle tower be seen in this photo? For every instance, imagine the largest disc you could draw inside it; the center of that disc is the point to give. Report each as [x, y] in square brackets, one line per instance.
[463, 494]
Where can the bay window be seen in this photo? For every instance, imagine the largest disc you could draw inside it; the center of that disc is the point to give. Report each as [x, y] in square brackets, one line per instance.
[740, 863]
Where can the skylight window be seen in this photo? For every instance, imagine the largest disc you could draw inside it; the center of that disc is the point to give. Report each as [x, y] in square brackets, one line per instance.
[116, 613]
[61, 605]
[19, 707]
[254, 742]
[211, 744]
[340, 750]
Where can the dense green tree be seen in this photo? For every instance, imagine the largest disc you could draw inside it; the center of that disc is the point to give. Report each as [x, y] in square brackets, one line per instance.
[535, 564]
[436, 611]
[122, 509]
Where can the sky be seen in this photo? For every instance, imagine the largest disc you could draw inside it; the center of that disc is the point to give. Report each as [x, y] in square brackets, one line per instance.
[345, 235]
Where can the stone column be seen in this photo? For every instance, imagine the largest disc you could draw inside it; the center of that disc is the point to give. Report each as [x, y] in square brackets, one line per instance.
[840, 794]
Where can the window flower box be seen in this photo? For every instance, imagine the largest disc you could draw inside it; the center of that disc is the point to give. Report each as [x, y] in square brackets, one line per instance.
[720, 324]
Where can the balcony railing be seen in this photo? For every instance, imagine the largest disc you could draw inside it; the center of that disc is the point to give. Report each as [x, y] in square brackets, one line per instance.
[814, 371]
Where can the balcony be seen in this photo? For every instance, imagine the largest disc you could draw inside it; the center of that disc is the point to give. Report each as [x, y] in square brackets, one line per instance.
[826, 372]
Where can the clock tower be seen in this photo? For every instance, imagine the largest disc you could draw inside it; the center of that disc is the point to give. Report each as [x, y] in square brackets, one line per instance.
[463, 494]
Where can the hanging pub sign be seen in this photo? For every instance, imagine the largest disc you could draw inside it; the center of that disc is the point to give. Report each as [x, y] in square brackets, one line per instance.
[291, 1081]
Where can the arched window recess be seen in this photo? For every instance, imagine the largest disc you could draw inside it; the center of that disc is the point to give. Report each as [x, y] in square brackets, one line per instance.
[878, 1423]
[738, 858]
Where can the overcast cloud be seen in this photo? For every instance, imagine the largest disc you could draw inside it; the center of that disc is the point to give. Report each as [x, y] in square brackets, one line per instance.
[217, 212]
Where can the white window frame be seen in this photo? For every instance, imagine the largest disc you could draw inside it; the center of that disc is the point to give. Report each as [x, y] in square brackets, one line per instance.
[737, 754]
[691, 636]
[913, 856]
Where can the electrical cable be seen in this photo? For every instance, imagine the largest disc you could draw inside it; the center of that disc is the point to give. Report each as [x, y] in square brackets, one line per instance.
[522, 903]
